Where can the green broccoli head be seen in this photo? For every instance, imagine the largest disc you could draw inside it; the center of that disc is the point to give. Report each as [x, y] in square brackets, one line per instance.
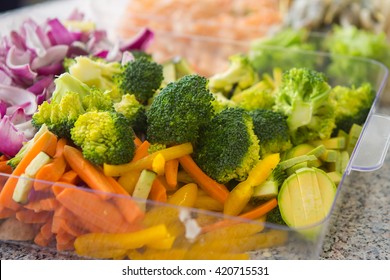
[59, 117]
[133, 111]
[272, 130]
[104, 137]
[228, 147]
[95, 72]
[220, 102]
[179, 111]
[352, 105]
[67, 83]
[238, 76]
[303, 97]
[97, 100]
[141, 77]
[258, 96]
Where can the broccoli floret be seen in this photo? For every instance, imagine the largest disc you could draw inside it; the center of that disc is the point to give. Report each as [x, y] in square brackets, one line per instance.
[352, 105]
[275, 217]
[238, 76]
[139, 53]
[104, 137]
[179, 111]
[59, 117]
[95, 72]
[272, 130]
[67, 83]
[133, 111]
[97, 100]
[220, 102]
[141, 77]
[269, 52]
[304, 98]
[260, 95]
[228, 148]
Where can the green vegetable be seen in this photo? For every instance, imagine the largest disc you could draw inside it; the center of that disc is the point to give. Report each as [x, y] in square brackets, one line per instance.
[352, 105]
[104, 137]
[269, 52]
[179, 111]
[304, 98]
[355, 42]
[258, 96]
[133, 111]
[272, 130]
[228, 148]
[141, 77]
[238, 76]
[275, 217]
[306, 198]
[95, 72]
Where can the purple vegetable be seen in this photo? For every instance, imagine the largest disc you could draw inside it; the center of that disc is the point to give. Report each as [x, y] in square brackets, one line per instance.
[10, 138]
[140, 42]
[14, 96]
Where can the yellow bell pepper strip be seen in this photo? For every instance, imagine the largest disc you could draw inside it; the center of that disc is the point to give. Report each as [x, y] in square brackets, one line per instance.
[163, 244]
[239, 197]
[252, 214]
[185, 196]
[129, 180]
[147, 161]
[153, 254]
[158, 164]
[94, 243]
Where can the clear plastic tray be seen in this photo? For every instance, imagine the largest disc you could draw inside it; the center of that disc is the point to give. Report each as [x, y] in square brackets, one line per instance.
[241, 238]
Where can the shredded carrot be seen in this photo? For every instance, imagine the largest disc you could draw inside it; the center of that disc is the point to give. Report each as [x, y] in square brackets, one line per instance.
[47, 143]
[158, 191]
[214, 189]
[171, 169]
[252, 214]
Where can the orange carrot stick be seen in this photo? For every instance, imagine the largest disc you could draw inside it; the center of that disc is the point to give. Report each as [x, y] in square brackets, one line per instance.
[47, 143]
[6, 213]
[70, 177]
[171, 168]
[49, 173]
[5, 168]
[252, 214]
[89, 173]
[31, 217]
[92, 208]
[214, 189]
[137, 141]
[158, 191]
[141, 151]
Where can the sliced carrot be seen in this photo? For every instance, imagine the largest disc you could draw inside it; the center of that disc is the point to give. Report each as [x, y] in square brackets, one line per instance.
[137, 141]
[158, 191]
[171, 169]
[66, 220]
[66, 246]
[31, 217]
[60, 147]
[3, 158]
[89, 173]
[46, 229]
[50, 172]
[6, 213]
[59, 186]
[214, 189]
[47, 143]
[41, 240]
[5, 168]
[63, 237]
[48, 204]
[128, 208]
[252, 214]
[70, 177]
[141, 151]
[92, 208]
[33, 205]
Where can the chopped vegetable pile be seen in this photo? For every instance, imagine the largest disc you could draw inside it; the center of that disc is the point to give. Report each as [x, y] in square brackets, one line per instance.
[261, 146]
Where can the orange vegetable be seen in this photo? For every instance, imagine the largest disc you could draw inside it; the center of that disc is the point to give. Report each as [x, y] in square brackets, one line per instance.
[214, 189]
[70, 177]
[52, 171]
[91, 208]
[47, 143]
[5, 168]
[171, 169]
[141, 150]
[89, 173]
[137, 141]
[252, 214]
[31, 217]
[158, 191]
[128, 208]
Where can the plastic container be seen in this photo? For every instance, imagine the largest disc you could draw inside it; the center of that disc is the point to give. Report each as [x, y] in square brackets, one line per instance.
[239, 238]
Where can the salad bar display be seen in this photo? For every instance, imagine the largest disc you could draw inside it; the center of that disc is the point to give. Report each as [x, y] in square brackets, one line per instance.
[202, 148]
